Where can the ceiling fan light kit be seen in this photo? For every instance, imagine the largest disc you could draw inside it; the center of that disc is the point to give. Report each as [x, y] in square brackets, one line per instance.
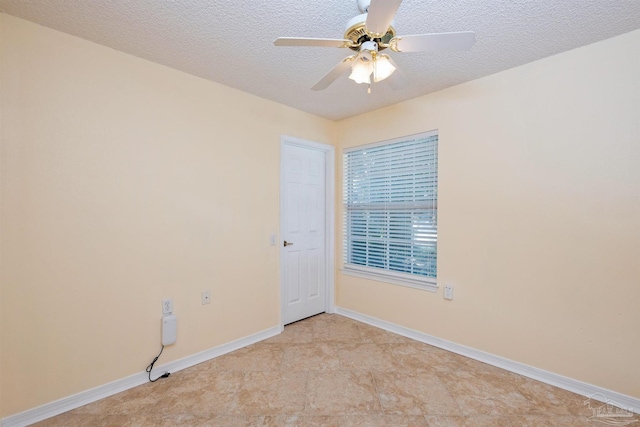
[369, 62]
[382, 68]
[371, 32]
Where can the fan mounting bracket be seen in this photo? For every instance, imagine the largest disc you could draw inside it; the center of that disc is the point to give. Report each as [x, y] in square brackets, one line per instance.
[357, 32]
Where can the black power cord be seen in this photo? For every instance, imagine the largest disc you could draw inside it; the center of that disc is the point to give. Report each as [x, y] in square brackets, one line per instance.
[150, 367]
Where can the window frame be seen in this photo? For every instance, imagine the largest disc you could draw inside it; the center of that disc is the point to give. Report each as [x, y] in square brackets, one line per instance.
[412, 280]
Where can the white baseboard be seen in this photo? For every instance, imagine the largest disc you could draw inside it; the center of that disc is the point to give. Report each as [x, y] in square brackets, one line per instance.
[75, 401]
[72, 402]
[588, 390]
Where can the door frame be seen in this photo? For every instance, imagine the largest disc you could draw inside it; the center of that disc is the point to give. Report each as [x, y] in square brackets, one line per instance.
[329, 226]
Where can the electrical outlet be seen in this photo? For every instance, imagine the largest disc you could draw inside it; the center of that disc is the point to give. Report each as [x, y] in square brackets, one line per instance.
[448, 292]
[206, 297]
[167, 306]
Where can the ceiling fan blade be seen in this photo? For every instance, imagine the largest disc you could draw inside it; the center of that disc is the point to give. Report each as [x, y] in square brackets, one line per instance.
[398, 80]
[380, 15]
[437, 41]
[302, 41]
[336, 72]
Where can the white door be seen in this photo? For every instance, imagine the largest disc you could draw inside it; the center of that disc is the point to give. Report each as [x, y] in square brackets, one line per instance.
[303, 230]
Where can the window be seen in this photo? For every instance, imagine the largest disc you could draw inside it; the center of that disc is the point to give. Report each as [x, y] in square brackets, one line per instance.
[390, 210]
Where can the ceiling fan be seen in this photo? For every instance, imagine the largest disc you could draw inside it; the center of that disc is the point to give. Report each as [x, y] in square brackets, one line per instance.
[370, 33]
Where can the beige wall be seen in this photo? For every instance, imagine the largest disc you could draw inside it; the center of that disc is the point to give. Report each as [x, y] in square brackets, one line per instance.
[539, 214]
[125, 182]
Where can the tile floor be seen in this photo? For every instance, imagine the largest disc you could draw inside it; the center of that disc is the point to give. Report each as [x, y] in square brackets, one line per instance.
[329, 370]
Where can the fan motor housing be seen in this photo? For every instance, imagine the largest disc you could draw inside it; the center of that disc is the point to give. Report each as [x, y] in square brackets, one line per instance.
[357, 33]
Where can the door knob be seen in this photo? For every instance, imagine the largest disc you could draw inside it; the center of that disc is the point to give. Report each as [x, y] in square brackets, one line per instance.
[288, 243]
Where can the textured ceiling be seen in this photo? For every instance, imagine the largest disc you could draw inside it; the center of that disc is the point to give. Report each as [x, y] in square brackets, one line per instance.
[231, 42]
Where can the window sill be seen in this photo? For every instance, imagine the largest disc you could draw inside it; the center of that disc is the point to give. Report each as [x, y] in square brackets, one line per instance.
[367, 273]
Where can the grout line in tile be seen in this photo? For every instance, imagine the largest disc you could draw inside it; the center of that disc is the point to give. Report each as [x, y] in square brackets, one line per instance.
[375, 387]
[453, 399]
[306, 393]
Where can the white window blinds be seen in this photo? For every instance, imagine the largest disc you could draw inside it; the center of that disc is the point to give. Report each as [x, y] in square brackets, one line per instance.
[390, 208]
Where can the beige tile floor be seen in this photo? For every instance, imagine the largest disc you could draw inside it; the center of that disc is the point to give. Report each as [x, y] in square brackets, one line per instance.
[329, 370]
